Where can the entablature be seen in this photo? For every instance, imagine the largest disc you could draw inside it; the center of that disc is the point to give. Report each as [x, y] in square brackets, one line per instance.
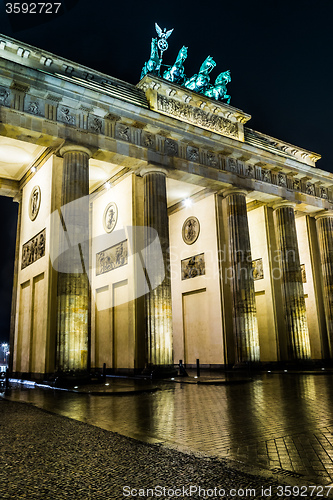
[50, 64]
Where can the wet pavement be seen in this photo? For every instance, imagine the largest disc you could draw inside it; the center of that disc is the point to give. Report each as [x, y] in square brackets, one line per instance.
[51, 457]
[278, 422]
[112, 386]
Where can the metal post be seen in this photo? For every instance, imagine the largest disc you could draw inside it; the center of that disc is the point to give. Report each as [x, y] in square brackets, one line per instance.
[198, 368]
[182, 371]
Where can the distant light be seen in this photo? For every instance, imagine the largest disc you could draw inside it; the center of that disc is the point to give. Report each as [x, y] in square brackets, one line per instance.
[107, 384]
[323, 368]
[195, 376]
[285, 371]
[27, 382]
[269, 371]
[107, 185]
[188, 202]
[33, 169]
[172, 379]
[76, 387]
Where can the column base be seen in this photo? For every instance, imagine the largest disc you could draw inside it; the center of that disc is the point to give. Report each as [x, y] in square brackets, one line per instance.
[160, 371]
[248, 365]
[299, 364]
[71, 378]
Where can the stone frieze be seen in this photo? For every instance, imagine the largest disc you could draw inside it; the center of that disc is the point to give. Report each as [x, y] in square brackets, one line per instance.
[112, 258]
[193, 266]
[54, 110]
[34, 249]
[197, 116]
[257, 269]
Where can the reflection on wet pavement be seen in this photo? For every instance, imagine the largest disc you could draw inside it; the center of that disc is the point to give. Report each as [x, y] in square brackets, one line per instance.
[277, 421]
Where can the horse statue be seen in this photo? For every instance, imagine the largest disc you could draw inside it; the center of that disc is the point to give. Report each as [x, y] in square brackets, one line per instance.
[200, 82]
[176, 73]
[218, 91]
[154, 64]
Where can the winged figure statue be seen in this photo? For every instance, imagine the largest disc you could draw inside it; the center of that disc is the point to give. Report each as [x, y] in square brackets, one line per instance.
[163, 36]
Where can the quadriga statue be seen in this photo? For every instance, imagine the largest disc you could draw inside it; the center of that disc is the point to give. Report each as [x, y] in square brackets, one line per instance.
[154, 64]
[176, 72]
[218, 91]
[200, 82]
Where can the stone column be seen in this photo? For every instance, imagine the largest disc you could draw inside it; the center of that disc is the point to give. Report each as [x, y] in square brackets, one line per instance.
[73, 262]
[298, 344]
[325, 238]
[159, 352]
[241, 274]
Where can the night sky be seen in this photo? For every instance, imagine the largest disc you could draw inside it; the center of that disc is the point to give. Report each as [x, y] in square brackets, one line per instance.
[279, 54]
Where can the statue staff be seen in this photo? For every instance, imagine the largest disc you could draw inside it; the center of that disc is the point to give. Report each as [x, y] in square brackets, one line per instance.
[163, 36]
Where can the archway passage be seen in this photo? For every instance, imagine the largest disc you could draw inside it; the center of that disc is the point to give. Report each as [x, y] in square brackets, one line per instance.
[9, 211]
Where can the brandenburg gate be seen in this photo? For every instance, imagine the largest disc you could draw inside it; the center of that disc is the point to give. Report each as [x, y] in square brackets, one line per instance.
[155, 225]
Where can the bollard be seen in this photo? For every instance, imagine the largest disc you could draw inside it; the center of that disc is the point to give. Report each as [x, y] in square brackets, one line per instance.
[182, 371]
[7, 378]
[104, 372]
[198, 368]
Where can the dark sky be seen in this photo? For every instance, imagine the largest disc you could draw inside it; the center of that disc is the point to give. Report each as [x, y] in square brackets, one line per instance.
[279, 54]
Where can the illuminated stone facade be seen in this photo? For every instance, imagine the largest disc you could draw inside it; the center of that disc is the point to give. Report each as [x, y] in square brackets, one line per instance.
[170, 229]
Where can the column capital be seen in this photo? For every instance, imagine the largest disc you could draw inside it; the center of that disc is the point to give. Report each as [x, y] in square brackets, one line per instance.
[150, 169]
[234, 190]
[18, 197]
[73, 148]
[324, 214]
[284, 204]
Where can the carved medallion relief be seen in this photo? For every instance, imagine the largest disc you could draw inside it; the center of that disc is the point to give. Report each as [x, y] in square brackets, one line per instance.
[191, 230]
[34, 202]
[110, 217]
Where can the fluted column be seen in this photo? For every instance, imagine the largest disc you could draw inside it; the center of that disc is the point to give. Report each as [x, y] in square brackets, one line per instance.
[298, 344]
[159, 352]
[73, 263]
[325, 237]
[244, 305]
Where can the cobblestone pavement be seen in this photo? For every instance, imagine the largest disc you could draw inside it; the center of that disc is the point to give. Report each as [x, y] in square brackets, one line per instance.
[50, 457]
[283, 422]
